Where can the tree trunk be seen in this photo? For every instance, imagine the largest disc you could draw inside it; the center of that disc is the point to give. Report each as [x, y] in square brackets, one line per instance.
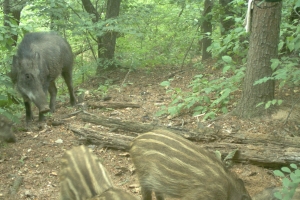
[106, 43]
[88, 6]
[12, 14]
[206, 28]
[263, 47]
[109, 38]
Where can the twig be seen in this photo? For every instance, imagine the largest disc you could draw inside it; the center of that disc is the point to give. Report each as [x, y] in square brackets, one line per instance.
[189, 48]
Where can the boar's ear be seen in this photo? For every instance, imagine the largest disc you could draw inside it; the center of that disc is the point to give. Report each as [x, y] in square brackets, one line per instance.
[38, 59]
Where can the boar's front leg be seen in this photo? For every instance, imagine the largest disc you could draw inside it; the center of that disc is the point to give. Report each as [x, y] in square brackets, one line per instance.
[27, 104]
[53, 92]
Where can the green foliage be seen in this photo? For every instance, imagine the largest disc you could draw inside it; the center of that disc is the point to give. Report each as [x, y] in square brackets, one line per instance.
[208, 96]
[158, 35]
[286, 73]
[290, 181]
[269, 103]
[228, 159]
[235, 41]
[8, 99]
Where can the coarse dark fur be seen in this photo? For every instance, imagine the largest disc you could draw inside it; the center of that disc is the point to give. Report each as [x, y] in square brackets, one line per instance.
[40, 59]
[6, 133]
[83, 176]
[170, 165]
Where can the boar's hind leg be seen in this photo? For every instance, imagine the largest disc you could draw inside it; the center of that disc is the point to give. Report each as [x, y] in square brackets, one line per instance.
[159, 196]
[146, 194]
[27, 104]
[53, 92]
[67, 75]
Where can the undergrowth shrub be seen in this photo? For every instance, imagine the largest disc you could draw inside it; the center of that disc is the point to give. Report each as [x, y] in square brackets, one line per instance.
[208, 95]
[290, 181]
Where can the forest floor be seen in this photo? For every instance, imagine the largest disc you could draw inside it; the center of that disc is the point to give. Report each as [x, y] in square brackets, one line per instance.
[36, 154]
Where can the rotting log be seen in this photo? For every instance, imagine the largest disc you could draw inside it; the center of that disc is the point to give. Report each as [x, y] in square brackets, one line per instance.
[109, 140]
[267, 150]
[272, 156]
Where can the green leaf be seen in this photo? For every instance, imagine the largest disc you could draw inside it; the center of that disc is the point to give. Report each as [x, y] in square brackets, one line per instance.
[278, 173]
[218, 154]
[275, 63]
[230, 155]
[261, 103]
[294, 166]
[286, 169]
[227, 59]
[286, 182]
[226, 68]
[268, 104]
[173, 110]
[165, 83]
[297, 172]
[224, 110]
[295, 179]
[160, 113]
[210, 115]
[206, 99]
[278, 195]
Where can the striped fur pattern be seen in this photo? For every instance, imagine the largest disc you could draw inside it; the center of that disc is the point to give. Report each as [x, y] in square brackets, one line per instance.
[83, 177]
[170, 165]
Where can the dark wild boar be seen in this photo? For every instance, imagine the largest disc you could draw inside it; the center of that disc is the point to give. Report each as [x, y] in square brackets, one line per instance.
[83, 176]
[172, 166]
[40, 58]
[6, 133]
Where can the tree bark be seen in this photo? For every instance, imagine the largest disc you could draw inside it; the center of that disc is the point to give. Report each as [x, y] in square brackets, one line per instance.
[206, 28]
[107, 42]
[88, 6]
[12, 12]
[110, 37]
[263, 47]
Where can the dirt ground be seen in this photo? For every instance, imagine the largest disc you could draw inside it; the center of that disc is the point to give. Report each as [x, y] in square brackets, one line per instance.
[36, 155]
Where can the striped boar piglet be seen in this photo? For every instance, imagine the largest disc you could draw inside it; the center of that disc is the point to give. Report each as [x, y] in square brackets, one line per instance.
[172, 166]
[83, 177]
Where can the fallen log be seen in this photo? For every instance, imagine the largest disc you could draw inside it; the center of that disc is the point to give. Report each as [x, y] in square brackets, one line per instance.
[265, 150]
[109, 140]
[271, 156]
